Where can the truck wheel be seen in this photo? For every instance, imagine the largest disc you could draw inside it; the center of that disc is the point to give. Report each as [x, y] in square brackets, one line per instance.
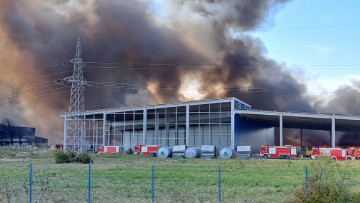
[333, 158]
[266, 156]
[288, 156]
[349, 158]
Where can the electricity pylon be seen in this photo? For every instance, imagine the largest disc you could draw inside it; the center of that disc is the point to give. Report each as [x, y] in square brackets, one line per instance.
[75, 134]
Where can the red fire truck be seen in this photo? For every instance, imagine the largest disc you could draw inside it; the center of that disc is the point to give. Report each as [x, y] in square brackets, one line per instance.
[334, 153]
[357, 152]
[109, 150]
[278, 152]
[147, 150]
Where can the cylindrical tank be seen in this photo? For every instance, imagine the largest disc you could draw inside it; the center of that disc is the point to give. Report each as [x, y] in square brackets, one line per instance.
[164, 152]
[227, 153]
[192, 152]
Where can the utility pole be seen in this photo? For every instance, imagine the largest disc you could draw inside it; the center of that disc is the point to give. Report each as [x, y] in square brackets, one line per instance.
[75, 126]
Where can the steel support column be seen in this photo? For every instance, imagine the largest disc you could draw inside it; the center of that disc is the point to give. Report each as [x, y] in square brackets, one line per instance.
[167, 128]
[65, 132]
[232, 124]
[187, 133]
[333, 131]
[104, 129]
[144, 125]
[156, 130]
[281, 130]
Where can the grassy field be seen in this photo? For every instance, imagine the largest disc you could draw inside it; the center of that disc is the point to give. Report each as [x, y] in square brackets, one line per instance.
[127, 178]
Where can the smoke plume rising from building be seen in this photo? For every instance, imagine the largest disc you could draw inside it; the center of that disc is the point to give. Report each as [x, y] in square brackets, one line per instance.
[144, 54]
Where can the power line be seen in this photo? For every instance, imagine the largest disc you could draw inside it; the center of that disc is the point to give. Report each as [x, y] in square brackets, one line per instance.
[31, 80]
[172, 87]
[307, 27]
[147, 66]
[48, 92]
[33, 70]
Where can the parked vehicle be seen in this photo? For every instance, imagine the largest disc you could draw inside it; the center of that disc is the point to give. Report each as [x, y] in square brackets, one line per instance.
[334, 153]
[109, 150]
[147, 150]
[279, 152]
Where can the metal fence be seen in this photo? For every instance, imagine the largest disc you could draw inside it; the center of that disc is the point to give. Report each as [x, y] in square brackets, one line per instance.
[83, 183]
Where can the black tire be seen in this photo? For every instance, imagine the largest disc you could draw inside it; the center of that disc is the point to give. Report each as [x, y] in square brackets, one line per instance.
[333, 158]
[287, 156]
[349, 158]
[266, 156]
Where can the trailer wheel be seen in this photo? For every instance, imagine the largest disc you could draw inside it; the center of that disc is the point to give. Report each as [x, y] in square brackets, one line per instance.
[287, 156]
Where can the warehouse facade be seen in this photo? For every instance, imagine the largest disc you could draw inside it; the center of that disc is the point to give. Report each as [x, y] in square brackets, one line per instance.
[227, 122]
[208, 122]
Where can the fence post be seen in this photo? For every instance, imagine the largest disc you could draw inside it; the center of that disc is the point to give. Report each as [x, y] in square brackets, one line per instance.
[30, 183]
[89, 184]
[219, 185]
[152, 185]
[306, 180]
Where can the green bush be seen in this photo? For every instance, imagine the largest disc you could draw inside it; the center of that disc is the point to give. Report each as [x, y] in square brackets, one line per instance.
[72, 157]
[61, 157]
[327, 183]
[84, 158]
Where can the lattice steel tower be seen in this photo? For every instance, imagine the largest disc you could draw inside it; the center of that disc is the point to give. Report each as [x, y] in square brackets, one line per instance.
[75, 125]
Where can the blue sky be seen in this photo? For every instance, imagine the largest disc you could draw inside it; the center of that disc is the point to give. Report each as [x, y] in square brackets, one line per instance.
[320, 39]
[308, 34]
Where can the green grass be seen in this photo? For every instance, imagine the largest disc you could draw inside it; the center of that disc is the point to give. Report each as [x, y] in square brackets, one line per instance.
[127, 178]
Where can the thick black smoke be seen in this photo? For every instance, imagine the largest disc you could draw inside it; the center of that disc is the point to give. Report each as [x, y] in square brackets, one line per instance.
[154, 50]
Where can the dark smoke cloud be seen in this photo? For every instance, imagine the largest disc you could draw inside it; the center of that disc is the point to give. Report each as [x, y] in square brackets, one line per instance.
[182, 32]
[346, 100]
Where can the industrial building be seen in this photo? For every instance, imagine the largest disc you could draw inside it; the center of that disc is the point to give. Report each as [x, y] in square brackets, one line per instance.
[22, 136]
[221, 122]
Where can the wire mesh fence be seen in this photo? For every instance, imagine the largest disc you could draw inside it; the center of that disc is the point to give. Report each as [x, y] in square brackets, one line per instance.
[154, 180]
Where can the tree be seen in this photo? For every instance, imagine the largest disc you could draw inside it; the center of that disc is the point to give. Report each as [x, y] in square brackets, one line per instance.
[19, 132]
[9, 128]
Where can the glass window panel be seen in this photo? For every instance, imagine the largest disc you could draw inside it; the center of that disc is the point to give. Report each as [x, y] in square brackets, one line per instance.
[194, 108]
[226, 106]
[204, 108]
[194, 117]
[215, 107]
[204, 117]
